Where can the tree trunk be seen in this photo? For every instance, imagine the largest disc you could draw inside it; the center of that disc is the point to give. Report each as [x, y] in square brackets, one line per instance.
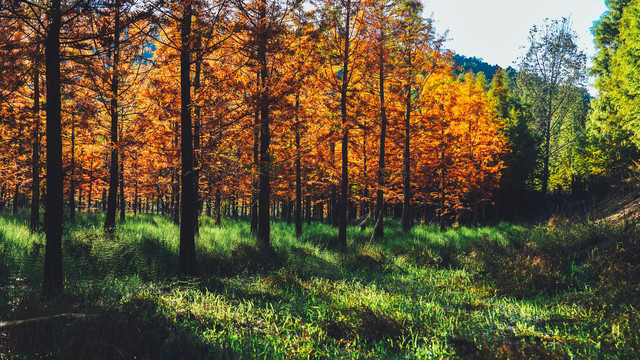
[364, 207]
[218, 208]
[135, 198]
[196, 131]
[34, 223]
[344, 184]
[264, 226]
[256, 161]
[53, 279]
[110, 217]
[16, 196]
[406, 171]
[378, 232]
[298, 209]
[72, 177]
[123, 199]
[546, 156]
[189, 215]
[442, 187]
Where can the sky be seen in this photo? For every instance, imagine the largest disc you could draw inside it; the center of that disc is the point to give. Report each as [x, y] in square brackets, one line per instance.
[497, 30]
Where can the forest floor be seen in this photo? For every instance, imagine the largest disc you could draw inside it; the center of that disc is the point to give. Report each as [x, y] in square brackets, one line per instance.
[500, 292]
[620, 207]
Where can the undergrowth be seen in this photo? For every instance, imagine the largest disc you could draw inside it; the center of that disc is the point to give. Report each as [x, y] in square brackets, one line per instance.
[501, 292]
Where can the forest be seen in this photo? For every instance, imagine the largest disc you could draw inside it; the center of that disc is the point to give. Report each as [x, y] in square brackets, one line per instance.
[295, 179]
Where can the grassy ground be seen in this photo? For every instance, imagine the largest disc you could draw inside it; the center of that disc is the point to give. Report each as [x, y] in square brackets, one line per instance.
[503, 292]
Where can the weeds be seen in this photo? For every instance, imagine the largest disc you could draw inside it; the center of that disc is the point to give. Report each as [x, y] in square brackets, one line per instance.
[505, 292]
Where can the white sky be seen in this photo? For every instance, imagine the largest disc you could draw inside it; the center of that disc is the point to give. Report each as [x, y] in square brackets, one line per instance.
[496, 30]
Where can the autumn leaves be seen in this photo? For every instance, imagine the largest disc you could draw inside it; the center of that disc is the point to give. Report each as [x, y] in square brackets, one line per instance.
[267, 108]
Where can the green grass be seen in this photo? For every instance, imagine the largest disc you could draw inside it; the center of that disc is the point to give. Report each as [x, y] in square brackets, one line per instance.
[505, 292]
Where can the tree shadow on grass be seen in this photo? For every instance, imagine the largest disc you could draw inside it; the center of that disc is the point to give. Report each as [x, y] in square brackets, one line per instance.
[133, 330]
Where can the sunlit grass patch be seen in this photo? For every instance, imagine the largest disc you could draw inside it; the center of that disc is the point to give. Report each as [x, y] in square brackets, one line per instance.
[500, 292]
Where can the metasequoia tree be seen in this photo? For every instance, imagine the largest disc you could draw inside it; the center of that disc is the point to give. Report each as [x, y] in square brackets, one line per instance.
[270, 42]
[418, 49]
[380, 22]
[21, 49]
[49, 29]
[342, 47]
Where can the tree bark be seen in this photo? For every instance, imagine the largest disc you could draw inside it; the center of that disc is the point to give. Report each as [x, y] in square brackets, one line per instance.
[406, 171]
[53, 279]
[298, 209]
[344, 184]
[264, 226]
[34, 223]
[188, 218]
[378, 232]
[123, 199]
[72, 177]
[196, 130]
[110, 217]
[256, 161]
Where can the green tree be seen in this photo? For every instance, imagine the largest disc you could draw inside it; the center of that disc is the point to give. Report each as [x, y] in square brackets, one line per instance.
[551, 74]
[612, 135]
[521, 161]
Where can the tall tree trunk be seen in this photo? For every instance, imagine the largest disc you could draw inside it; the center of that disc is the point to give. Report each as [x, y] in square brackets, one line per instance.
[364, 207]
[344, 184]
[72, 177]
[264, 226]
[53, 279]
[378, 232]
[2, 197]
[34, 223]
[298, 209]
[89, 196]
[135, 197]
[123, 200]
[189, 214]
[443, 186]
[16, 197]
[256, 161]
[110, 217]
[406, 171]
[196, 130]
[218, 207]
[546, 157]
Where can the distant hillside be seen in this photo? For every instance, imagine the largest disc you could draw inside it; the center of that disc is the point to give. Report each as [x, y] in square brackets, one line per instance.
[477, 65]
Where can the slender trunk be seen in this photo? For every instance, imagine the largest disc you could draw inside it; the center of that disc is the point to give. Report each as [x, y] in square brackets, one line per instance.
[218, 208]
[196, 130]
[298, 210]
[110, 217]
[16, 196]
[364, 208]
[344, 185]
[135, 198]
[53, 279]
[72, 177]
[189, 215]
[89, 199]
[103, 202]
[175, 193]
[378, 232]
[442, 186]
[123, 200]
[34, 223]
[264, 226]
[406, 171]
[547, 151]
[2, 197]
[256, 162]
